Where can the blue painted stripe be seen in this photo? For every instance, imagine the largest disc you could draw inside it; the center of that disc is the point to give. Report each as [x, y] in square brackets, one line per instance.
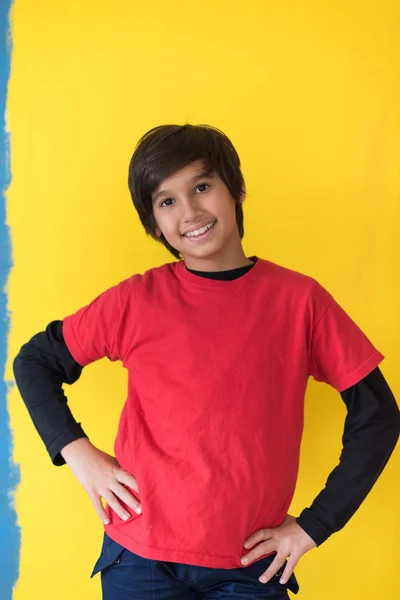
[9, 472]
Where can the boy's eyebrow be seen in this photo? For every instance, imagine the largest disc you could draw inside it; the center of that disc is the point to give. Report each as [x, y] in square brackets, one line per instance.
[204, 173]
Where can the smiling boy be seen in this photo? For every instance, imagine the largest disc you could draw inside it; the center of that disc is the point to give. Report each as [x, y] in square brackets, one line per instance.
[208, 237]
[219, 348]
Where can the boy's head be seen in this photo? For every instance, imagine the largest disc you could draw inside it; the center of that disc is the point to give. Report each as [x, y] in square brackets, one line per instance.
[184, 177]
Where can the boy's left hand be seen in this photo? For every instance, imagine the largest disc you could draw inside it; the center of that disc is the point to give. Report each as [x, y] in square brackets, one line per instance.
[287, 540]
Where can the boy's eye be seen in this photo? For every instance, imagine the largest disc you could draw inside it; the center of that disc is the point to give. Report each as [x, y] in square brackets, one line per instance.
[166, 200]
[202, 185]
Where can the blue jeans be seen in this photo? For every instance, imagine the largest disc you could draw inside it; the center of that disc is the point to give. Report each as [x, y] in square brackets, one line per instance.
[127, 576]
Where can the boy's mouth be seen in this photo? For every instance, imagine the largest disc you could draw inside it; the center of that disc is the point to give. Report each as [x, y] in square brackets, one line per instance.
[200, 233]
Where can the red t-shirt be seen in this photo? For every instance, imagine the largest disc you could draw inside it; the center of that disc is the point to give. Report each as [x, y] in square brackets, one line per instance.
[213, 421]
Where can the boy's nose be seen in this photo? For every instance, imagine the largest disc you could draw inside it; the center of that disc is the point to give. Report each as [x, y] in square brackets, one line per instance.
[191, 214]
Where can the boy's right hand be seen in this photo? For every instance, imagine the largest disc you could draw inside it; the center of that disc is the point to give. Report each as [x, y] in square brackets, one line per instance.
[102, 477]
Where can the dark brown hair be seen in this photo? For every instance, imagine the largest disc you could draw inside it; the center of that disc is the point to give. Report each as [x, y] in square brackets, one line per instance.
[166, 149]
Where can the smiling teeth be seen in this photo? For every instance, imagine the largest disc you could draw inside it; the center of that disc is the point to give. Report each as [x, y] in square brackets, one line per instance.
[199, 231]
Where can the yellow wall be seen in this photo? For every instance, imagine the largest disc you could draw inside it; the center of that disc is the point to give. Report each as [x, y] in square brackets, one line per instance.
[309, 93]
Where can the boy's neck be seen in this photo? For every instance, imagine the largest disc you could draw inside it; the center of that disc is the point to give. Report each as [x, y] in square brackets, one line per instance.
[204, 270]
[221, 263]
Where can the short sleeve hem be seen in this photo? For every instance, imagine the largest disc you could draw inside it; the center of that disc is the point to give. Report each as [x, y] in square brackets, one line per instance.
[358, 374]
[72, 344]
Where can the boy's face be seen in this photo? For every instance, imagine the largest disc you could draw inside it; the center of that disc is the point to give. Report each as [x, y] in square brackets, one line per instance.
[190, 200]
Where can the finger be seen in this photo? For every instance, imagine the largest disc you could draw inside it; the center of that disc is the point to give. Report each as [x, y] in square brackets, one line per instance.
[258, 536]
[127, 479]
[126, 497]
[96, 500]
[276, 564]
[290, 566]
[259, 551]
[112, 501]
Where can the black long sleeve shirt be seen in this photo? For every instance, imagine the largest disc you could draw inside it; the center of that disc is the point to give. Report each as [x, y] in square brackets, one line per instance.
[371, 426]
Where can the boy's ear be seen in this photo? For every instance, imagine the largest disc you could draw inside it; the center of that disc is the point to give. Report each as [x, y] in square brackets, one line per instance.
[158, 232]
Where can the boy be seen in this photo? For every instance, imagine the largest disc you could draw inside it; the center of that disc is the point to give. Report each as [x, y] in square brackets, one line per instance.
[218, 347]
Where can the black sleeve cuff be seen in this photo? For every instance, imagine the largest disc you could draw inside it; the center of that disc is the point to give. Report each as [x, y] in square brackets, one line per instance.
[314, 529]
[55, 447]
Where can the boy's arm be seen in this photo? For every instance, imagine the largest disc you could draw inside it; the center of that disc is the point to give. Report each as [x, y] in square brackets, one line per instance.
[58, 354]
[370, 434]
[41, 367]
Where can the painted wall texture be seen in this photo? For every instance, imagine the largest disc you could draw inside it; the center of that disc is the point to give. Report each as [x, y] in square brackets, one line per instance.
[309, 93]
